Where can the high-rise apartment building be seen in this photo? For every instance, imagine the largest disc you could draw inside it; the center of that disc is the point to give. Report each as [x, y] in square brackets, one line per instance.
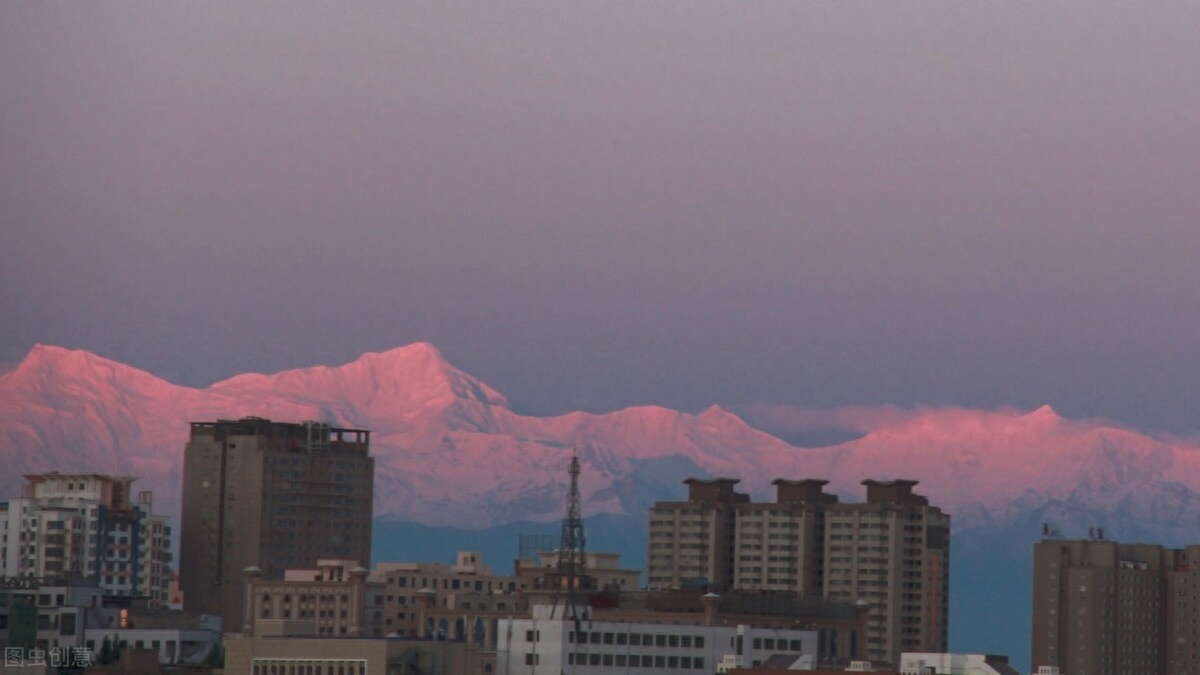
[1101, 607]
[87, 526]
[693, 540]
[271, 495]
[780, 545]
[891, 553]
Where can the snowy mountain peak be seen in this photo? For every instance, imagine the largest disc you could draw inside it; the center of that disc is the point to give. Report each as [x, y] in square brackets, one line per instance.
[42, 358]
[715, 411]
[48, 366]
[404, 380]
[449, 450]
[406, 357]
[1045, 413]
[421, 367]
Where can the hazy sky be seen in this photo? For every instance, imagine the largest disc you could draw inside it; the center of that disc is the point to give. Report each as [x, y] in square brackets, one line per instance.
[599, 204]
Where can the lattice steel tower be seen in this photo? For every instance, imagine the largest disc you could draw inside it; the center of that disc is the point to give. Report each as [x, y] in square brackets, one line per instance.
[572, 574]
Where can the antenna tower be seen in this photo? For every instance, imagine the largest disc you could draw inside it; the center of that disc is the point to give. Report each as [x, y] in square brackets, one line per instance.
[572, 547]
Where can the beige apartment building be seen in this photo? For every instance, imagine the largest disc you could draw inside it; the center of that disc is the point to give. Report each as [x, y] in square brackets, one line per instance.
[1102, 607]
[779, 545]
[691, 541]
[269, 495]
[890, 553]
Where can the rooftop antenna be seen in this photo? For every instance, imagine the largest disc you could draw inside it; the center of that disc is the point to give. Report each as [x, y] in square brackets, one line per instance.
[1051, 530]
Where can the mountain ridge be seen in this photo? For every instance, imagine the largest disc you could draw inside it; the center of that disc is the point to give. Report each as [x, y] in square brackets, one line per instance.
[451, 451]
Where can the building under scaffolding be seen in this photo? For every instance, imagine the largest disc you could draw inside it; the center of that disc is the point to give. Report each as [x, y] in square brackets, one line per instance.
[271, 495]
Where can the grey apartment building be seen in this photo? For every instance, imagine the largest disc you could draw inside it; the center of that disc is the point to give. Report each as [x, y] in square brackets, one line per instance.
[1104, 608]
[890, 553]
[271, 495]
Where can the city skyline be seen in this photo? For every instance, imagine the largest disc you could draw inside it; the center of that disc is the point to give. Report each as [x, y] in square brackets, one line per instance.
[851, 527]
[947, 243]
[592, 207]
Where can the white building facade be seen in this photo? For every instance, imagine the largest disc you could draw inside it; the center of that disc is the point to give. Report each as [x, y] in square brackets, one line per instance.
[934, 663]
[549, 643]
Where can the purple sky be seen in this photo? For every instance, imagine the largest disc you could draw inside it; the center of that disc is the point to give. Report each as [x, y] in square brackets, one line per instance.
[602, 204]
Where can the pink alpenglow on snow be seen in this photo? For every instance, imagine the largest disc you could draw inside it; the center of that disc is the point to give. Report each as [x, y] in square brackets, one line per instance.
[450, 451]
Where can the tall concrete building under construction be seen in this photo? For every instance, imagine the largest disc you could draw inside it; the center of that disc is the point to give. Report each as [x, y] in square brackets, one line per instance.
[271, 495]
[890, 553]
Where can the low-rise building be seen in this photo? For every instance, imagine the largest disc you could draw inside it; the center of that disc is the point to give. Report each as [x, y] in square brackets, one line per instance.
[330, 620]
[46, 614]
[603, 568]
[175, 637]
[930, 663]
[551, 641]
[335, 598]
[467, 584]
[783, 664]
[61, 621]
[336, 655]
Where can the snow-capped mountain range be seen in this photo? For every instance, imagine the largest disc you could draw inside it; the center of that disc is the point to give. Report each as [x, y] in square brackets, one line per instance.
[450, 451]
